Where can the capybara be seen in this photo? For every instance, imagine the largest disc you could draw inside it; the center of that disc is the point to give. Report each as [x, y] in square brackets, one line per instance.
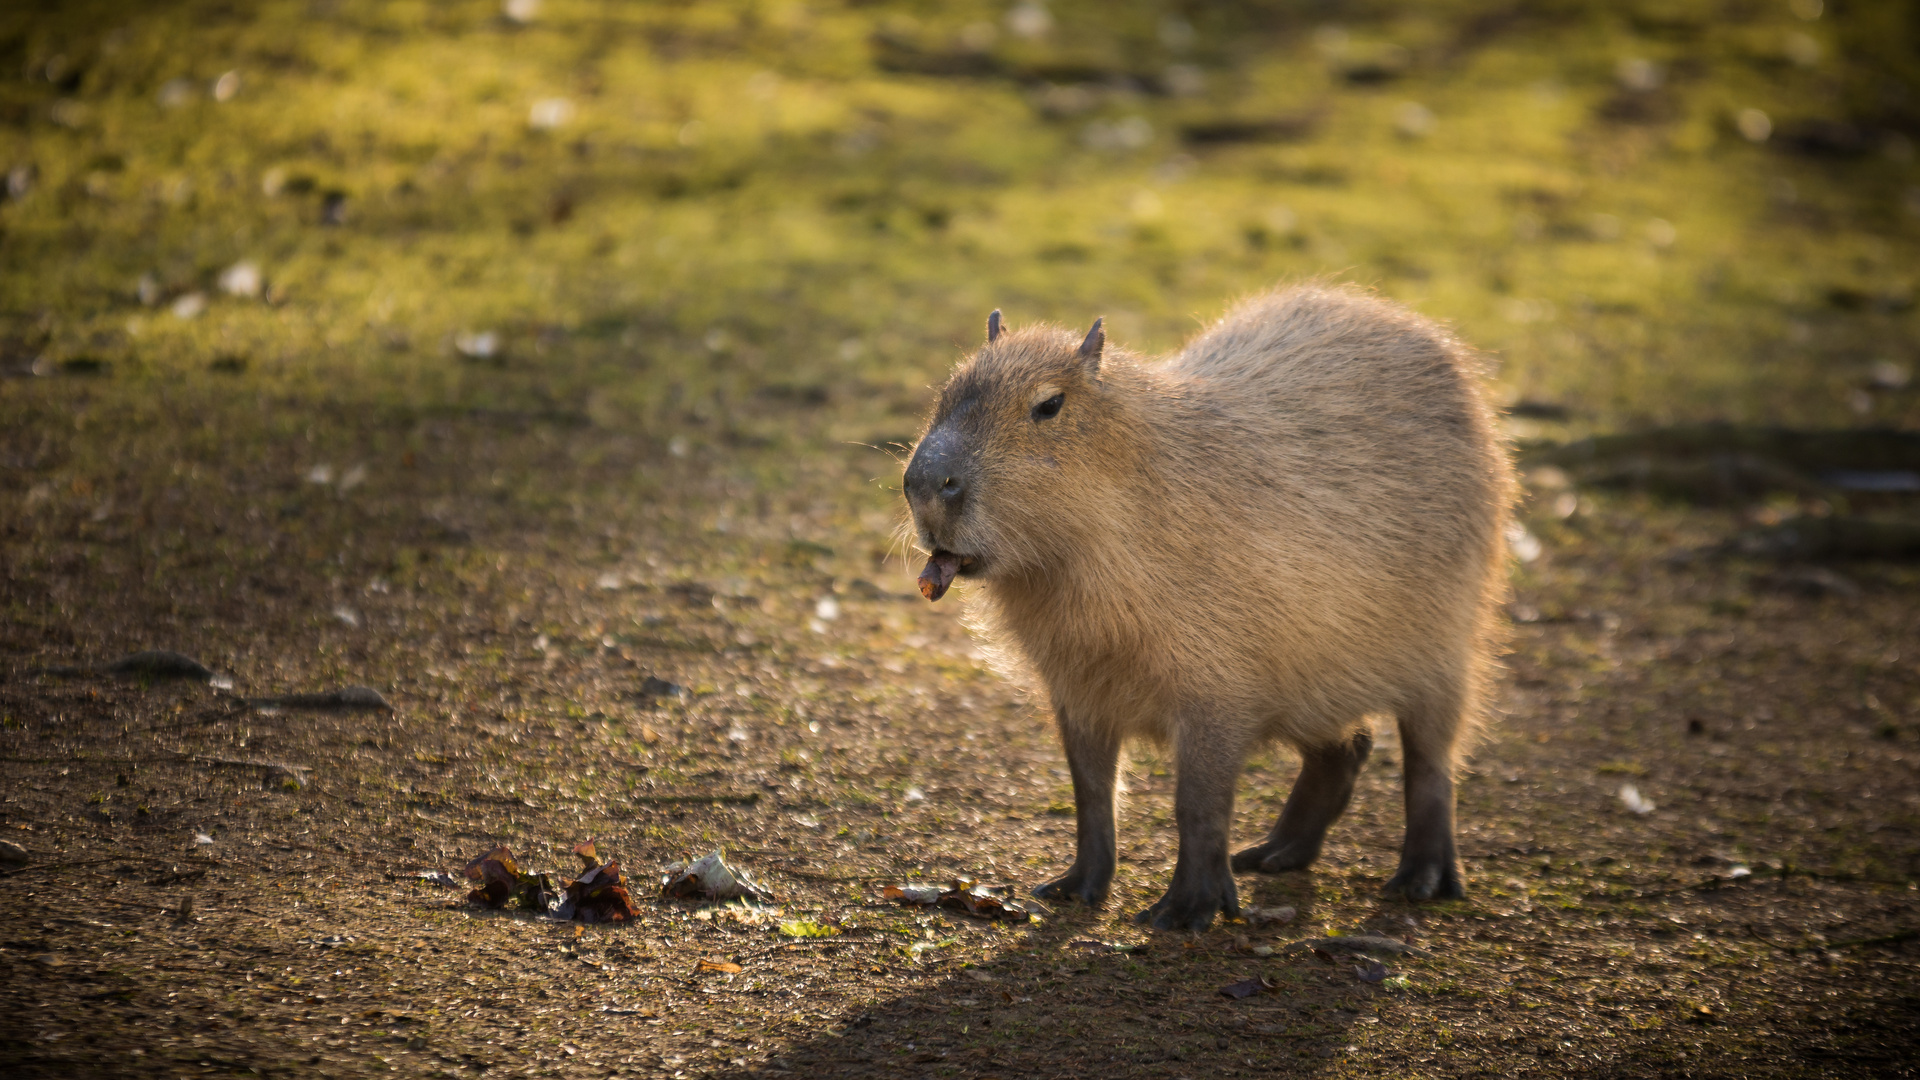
[1291, 524]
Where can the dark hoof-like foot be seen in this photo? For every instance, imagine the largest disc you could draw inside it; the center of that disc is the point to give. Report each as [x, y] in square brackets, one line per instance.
[1274, 858]
[1190, 909]
[1072, 886]
[1427, 881]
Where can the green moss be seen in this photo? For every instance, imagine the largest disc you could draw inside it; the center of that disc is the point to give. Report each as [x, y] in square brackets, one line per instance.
[788, 214]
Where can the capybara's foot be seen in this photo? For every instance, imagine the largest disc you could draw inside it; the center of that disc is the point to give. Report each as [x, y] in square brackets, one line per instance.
[1089, 889]
[1191, 908]
[1433, 880]
[1275, 857]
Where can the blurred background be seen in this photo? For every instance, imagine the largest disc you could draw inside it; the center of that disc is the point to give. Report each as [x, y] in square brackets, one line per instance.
[668, 212]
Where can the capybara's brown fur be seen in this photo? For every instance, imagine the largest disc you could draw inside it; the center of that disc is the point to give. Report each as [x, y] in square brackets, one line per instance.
[1291, 524]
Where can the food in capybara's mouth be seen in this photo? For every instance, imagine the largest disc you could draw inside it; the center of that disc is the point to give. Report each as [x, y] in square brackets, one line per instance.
[941, 567]
[1291, 525]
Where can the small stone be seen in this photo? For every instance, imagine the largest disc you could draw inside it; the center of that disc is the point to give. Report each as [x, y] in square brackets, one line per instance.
[241, 279]
[482, 345]
[549, 113]
[190, 305]
[1753, 125]
[1887, 375]
[1029, 20]
[1413, 120]
[175, 93]
[1639, 74]
[1635, 802]
[11, 852]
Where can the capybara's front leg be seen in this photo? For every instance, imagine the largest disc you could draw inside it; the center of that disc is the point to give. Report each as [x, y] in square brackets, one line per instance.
[1093, 756]
[1202, 886]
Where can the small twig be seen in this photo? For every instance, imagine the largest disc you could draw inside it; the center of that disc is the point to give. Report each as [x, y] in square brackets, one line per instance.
[1881, 939]
[75, 760]
[120, 902]
[78, 863]
[174, 879]
[298, 773]
[792, 943]
[1718, 882]
[56, 866]
[1361, 943]
[745, 797]
[805, 875]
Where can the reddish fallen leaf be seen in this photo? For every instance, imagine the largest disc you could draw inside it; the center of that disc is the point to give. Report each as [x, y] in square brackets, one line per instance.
[499, 880]
[1247, 987]
[938, 575]
[496, 875]
[721, 965]
[599, 894]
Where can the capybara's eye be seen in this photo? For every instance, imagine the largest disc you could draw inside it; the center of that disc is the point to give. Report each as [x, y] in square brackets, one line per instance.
[1050, 407]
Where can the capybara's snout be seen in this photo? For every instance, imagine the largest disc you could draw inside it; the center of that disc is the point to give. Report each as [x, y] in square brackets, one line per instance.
[936, 482]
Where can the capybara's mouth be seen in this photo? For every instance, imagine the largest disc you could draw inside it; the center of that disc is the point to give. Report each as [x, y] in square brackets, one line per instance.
[941, 569]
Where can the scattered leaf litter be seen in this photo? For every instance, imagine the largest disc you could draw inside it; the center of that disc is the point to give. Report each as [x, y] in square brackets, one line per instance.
[711, 878]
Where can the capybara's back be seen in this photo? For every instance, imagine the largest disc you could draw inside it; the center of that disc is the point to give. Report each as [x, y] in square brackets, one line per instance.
[1291, 524]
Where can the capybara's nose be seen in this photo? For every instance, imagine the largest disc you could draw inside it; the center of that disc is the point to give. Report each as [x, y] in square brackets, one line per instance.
[934, 474]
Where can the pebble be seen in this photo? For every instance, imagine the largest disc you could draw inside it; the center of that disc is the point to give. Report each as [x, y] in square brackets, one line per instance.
[190, 305]
[241, 279]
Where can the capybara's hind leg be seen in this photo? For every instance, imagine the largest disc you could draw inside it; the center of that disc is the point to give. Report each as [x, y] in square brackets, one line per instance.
[1319, 797]
[1093, 756]
[1429, 865]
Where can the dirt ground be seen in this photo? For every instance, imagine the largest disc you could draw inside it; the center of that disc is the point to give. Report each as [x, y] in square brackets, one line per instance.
[838, 734]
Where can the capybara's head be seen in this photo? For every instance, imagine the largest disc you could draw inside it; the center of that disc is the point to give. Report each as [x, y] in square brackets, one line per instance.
[1020, 444]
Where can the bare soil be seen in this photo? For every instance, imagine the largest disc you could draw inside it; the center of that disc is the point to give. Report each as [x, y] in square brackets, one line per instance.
[509, 584]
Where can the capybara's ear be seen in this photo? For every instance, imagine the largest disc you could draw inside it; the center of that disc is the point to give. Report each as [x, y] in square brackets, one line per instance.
[993, 325]
[1090, 349]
